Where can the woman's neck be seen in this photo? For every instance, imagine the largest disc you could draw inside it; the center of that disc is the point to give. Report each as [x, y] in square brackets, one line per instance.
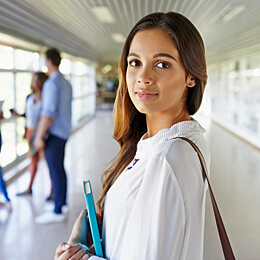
[157, 122]
[37, 97]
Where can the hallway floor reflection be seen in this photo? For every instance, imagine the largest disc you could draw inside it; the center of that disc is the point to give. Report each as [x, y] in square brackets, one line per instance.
[235, 177]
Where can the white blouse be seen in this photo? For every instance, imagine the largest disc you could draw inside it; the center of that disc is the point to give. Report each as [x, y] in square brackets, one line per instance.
[156, 208]
[33, 111]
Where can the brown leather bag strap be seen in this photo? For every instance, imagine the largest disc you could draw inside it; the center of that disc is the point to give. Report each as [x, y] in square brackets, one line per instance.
[226, 246]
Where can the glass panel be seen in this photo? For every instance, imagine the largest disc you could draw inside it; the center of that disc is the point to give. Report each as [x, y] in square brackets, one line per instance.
[8, 151]
[80, 68]
[25, 60]
[22, 145]
[90, 104]
[87, 87]
[7, 91]
[91, 72]
[84, 88]
[235, 93]
[65, 66]
[6, 57]
[23, 88]
[76, 85]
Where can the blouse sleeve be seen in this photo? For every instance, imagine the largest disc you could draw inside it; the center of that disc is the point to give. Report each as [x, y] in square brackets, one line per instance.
[157, 222]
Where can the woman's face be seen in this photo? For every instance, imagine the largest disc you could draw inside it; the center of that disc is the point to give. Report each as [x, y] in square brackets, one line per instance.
[34, 85]
[155, 76]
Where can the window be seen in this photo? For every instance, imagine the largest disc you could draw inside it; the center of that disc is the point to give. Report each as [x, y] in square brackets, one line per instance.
[235, 95]
[65, 66]
[7, 91]
[16, 69]
[8, 151]
[23, 88]
[25, 60]
[6, 57]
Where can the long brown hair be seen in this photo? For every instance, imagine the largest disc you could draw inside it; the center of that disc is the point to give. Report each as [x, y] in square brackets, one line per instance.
[40, 79]
[130, 124]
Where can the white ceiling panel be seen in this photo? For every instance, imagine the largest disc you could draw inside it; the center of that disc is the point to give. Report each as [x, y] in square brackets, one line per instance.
[71, 26]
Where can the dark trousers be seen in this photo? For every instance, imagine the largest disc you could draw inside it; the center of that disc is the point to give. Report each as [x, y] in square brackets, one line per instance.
[55, 153]
[2, 183]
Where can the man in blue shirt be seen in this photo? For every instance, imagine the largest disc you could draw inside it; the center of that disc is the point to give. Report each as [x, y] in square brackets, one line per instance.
[53, 132]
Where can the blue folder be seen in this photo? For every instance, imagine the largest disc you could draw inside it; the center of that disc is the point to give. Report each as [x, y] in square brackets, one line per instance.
[92, 218]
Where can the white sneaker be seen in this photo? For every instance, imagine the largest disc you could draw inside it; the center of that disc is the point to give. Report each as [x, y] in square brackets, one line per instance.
[49, 206]
[65, 209]
[50, 217]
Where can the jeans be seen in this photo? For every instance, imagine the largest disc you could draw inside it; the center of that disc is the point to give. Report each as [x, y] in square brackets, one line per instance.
[55, 153]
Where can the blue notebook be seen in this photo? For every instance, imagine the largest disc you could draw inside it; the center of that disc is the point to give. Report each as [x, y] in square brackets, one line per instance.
[92, 218]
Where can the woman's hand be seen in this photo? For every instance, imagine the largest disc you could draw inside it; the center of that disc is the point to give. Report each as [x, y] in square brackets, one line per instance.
[66, 251]
[81, 230]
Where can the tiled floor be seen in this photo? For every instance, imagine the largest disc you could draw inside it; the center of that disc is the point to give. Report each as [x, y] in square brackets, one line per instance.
[235, 176]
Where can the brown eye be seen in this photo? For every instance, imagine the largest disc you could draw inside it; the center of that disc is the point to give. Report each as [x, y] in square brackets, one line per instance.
[134, 63]
[163, 65]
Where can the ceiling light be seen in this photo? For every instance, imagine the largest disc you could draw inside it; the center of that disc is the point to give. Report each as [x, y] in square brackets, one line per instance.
[106, 69]
[232, 13]
[118, 37]
[103, 14]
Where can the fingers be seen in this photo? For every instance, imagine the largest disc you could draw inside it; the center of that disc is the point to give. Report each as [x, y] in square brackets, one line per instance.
[72, 252]
[66, 251]
[77, 254]
[82, 218]
[83, 213]
[79, 229]
[62, 248]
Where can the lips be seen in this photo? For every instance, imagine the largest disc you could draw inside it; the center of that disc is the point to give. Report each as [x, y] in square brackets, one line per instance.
[146, 95]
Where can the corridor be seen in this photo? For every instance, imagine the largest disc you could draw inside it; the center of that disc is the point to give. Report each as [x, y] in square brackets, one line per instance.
[235, 177]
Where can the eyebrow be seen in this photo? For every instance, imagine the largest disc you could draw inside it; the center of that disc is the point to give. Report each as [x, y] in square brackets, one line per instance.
[133, 54]
[164, 55]
[155, 56]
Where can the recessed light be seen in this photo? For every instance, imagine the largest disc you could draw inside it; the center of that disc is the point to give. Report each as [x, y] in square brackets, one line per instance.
[118, 37]
[107, 68]
[103, 14]
[232, 13]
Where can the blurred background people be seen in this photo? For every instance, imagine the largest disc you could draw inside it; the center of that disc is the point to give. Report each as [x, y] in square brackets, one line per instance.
[7, 204]
[53, 132]
[32, 114]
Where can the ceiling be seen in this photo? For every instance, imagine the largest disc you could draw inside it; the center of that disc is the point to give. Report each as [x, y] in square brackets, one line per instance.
[71, 26]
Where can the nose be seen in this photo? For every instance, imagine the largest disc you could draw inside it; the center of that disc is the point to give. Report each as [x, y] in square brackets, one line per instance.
[145, 76]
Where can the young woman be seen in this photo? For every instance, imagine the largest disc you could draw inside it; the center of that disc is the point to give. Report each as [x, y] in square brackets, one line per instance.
[33, 109]
[153, 198]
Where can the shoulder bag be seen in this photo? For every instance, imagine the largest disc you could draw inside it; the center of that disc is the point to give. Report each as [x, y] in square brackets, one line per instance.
[226, 246]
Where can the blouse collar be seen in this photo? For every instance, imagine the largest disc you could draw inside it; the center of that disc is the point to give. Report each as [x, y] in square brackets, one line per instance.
[184, 128]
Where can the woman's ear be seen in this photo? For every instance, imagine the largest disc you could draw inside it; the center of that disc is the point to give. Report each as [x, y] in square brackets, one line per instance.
[191, 82]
